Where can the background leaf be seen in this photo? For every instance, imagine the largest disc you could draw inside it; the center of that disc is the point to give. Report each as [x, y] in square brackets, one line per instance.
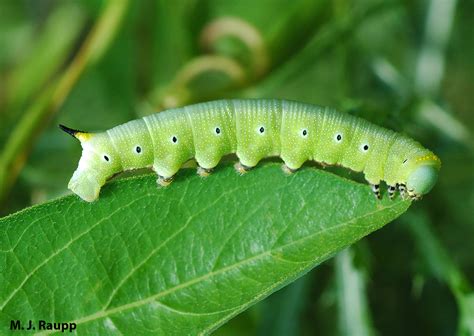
[181, 259]
[365, 57]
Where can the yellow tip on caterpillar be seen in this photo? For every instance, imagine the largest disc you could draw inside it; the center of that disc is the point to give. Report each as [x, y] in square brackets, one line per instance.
[80, 135]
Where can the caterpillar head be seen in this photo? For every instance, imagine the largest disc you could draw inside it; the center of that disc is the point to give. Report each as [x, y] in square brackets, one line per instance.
[98, 162]
[423, 176]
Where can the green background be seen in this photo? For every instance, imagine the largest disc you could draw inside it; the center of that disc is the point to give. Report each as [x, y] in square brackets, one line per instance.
[375, 59]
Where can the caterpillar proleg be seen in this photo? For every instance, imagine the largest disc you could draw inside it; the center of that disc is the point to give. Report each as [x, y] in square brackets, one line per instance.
[253, 129]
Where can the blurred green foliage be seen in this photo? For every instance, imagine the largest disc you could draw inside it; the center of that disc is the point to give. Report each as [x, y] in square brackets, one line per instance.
[386, 61]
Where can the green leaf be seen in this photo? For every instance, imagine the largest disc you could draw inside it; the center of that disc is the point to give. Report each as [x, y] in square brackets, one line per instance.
[182, 259]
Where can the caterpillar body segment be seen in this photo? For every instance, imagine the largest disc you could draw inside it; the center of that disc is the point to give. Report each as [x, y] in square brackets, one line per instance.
[253, 129]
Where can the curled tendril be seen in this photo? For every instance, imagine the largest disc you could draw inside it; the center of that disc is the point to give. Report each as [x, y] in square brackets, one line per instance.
[242, 30]
[179, 93]
[207, 63]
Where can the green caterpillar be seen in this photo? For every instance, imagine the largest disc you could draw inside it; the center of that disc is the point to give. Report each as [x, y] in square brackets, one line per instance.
[253, 129]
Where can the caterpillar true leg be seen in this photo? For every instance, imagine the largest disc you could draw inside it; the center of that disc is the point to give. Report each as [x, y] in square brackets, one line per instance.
[413, 196]
[204, 172]
[241, 169]
[391, 191]
[402, 188]
[376, 190]
[287, 170]
[164, 181]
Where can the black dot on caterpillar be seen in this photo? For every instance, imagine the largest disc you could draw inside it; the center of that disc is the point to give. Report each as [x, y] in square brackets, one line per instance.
[138, 149]
[261, 129]
[338, 137]
[106, 158]
[218, 130]
[174, 139]
[304, 132]
[365, 147]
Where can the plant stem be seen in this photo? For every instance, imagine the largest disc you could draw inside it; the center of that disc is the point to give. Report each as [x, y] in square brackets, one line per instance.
[36, 116]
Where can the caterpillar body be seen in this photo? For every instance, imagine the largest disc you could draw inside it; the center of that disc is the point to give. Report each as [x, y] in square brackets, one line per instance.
[253, 129]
